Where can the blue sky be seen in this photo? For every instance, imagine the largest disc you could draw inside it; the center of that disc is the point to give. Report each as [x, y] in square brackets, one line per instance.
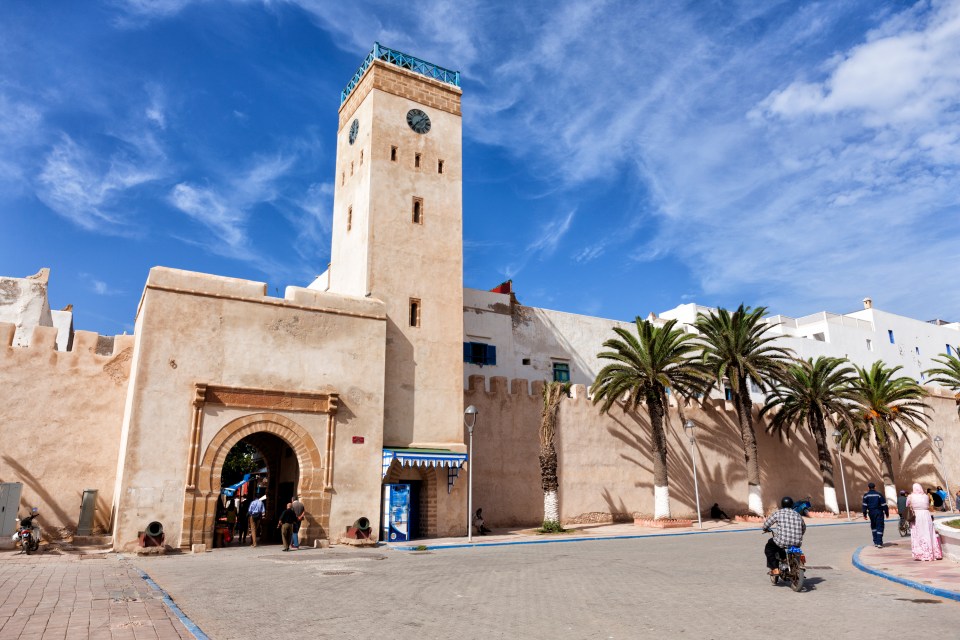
[619, 157]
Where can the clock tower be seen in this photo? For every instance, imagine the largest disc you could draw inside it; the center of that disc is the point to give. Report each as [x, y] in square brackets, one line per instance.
[397, 236]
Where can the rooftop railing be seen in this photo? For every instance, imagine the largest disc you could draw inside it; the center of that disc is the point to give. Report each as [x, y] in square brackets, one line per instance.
[404, 61]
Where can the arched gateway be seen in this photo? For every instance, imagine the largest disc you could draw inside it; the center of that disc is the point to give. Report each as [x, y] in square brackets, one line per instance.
[313, 484]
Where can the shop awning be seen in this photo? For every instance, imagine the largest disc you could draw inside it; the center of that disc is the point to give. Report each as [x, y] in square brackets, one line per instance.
[426, 458]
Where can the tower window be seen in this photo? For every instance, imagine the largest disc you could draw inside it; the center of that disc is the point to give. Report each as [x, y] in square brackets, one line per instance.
[561, 372]
[890, 335]
[414, 312]
[418, 210]
[349, 218]
[869, 344]
[416, 160]
[949, 350]
[439, 166]
[393, 154]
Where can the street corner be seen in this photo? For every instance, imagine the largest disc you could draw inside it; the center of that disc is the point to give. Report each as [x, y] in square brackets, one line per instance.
[894, 562]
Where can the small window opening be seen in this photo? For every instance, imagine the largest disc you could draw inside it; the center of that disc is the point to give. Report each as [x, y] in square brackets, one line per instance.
[351, 168]
[890, 335]
[361, 157]
[525, 361]
[439, 166]
[917, 349]
[561, 372]
[418, 210]
[728, 394]
[393, 154]
[819, 337]
[949, 350]
[869, 344]
[349, 218]
[414, 312]
[416, 160]
[343, 177]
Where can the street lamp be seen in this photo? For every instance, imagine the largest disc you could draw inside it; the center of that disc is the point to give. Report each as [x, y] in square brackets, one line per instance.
[843, 480]
[943, 468]
[469, 420]
[689, 428]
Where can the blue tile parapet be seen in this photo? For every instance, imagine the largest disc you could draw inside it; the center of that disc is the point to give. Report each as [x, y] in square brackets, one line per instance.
[404, 61]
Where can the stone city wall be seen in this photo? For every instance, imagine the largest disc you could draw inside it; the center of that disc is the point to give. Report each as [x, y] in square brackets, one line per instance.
[60, 420]
[605, 462]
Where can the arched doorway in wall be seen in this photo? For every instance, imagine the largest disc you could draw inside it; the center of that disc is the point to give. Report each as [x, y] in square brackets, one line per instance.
[288, 451]
[263, 467]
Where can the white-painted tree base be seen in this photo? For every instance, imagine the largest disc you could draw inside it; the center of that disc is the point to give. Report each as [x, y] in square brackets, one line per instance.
[830, 499]
[551, 507]
[890, 492]
[755, 500]
[661, 502]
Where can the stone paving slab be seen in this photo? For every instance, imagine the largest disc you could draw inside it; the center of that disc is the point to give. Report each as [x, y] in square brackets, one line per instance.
[65, 596]
[894, 560]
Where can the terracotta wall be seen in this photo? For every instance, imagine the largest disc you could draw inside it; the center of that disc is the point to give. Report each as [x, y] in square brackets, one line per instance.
[606, 465]
[60, 417]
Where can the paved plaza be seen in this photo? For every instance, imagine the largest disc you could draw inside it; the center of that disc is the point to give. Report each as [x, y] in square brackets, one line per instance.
[698, 586]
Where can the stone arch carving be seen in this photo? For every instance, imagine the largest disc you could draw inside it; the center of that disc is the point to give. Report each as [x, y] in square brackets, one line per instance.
[200, 503]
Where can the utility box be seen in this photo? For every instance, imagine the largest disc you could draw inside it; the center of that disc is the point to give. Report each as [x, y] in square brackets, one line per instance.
[88, 509]
[9, 505]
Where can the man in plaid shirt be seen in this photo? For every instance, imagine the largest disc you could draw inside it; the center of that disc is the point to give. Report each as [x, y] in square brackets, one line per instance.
[788, 528]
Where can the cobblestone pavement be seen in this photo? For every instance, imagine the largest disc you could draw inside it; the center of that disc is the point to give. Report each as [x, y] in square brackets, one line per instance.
[66, 596]
[703, 586]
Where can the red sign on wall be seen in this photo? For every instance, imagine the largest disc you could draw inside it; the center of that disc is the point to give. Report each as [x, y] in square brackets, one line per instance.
[357, 439]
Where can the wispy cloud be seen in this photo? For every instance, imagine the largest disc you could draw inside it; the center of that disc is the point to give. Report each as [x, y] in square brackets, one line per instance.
[99, 287]
[83, 187]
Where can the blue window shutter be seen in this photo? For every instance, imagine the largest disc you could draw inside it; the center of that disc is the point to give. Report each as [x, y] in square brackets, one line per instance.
[467, 352]
[491, 354]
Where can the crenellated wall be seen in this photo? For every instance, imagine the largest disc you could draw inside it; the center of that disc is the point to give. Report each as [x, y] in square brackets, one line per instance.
[60, 417]
[605, 462]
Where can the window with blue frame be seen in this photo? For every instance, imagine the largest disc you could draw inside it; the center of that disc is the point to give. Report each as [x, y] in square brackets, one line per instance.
[728, 394]
[890, 335]
[479, 353]
[949, 350]
[561, 372]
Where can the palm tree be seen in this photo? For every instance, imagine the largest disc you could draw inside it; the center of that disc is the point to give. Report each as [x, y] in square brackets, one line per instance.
[736, 348]
[553, 394]
[813, 394]
[887, 405]
[643, 367]
[948, 375]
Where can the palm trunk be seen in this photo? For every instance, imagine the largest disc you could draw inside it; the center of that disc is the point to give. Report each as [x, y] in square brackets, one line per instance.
[886, 470]
[661, 487]
[749, 437]
[815, 421]
[549, 483]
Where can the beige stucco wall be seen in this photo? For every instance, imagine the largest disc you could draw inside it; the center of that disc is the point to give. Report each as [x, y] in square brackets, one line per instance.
[60, 420]
[606, 465]
[195, 328]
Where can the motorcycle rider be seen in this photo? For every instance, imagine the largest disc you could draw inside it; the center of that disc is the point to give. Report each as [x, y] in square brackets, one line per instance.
[788, 528]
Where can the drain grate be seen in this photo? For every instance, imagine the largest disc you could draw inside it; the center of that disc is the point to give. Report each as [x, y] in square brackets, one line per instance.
[338, 573]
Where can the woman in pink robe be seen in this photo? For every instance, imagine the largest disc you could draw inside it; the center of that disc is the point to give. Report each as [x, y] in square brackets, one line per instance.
[924, 541]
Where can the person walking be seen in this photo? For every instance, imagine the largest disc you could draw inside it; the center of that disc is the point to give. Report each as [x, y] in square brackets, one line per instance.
[287, 518]
[875, 507]
[924, 542]
[242, 520]
[944, 499]
[255, 514]
[299, 510]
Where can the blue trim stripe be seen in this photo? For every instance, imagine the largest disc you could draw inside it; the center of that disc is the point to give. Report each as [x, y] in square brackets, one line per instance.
[167, 600]
[934, 591]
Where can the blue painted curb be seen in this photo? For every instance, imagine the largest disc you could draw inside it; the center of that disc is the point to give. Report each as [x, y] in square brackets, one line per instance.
[167, 600]
[934, 591]
[637, 536]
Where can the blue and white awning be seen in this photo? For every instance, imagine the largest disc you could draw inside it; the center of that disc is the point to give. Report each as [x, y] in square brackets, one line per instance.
[426, 458]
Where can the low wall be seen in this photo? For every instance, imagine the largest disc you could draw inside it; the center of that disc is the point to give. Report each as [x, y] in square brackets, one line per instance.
[605, 461]
[60, 420]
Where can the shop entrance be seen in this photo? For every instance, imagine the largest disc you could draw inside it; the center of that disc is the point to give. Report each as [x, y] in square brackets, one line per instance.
[261, 467]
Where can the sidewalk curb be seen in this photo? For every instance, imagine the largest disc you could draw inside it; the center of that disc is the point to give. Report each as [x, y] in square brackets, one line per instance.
[934, 591]
[635, 536]
[167, 600]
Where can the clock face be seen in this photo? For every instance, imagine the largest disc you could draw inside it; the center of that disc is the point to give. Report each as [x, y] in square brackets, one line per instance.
[354, 128]
[418, 120]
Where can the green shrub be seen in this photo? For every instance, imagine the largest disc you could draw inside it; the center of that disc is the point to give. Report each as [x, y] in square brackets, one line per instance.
[551, 526]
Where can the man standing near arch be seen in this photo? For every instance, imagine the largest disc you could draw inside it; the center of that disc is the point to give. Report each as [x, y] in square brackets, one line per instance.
[255, 514]
[299, 511]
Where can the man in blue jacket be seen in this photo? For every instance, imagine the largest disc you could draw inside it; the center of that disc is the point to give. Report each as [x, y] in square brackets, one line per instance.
[875, 506]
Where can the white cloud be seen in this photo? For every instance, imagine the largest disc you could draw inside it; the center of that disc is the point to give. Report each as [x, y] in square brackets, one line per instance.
[84, 188]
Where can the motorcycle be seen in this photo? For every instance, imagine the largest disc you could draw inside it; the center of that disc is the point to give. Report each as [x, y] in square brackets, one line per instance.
[904, 527]
[28, 534]
[792, 569]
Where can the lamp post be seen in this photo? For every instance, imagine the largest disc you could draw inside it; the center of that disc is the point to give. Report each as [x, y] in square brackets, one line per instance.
[943, 468]
[469, 420]
[689, 428]
[843, 480]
